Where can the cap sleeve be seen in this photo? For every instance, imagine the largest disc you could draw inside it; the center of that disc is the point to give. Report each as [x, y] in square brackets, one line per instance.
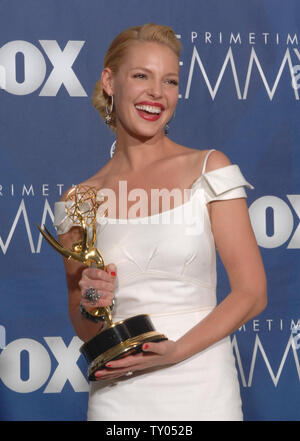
[224, 183]
[62, 222]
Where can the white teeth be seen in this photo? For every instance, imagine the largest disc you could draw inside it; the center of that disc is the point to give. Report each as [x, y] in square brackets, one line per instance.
[150, 109]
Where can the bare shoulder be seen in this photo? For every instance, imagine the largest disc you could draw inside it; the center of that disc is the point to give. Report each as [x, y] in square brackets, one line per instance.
[215, 160]
[92, 182]
[65, 195]
[194, 155]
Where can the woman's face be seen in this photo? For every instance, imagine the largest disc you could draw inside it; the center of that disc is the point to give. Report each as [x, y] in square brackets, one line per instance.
[145, 89]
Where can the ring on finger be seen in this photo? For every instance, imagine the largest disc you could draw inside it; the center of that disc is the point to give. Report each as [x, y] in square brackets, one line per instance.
[91, 295]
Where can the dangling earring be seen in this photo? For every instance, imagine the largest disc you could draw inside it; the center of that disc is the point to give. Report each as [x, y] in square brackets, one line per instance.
[166, 128]
[109, 111]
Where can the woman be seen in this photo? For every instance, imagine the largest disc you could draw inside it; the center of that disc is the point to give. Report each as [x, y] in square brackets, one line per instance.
[164, 268]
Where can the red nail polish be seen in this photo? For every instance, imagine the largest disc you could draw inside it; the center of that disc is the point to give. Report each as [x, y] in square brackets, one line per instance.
[113, 273]
[146, 346]
[108, 365]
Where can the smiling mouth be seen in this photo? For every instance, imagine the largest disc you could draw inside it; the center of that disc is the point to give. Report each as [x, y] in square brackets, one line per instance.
[149, 109]
[149, 112]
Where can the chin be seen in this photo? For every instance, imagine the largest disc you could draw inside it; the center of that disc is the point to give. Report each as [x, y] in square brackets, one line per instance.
[144, 133]
[149, 134]
[144, 137]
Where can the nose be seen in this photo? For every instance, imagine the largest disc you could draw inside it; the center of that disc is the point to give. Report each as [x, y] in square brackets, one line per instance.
[155, 89]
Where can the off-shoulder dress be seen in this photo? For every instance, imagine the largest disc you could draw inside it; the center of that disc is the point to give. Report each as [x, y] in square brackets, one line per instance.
[166, 267]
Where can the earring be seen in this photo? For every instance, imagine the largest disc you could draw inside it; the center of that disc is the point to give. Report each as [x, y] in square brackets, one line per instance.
[109, 111]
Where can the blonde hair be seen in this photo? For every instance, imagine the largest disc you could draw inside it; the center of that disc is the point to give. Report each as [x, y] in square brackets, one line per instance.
[149, 32]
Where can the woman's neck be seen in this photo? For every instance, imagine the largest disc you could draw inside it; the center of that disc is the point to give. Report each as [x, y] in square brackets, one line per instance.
[132, 154]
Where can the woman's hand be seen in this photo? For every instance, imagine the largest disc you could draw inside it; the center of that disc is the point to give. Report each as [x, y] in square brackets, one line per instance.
[103, 283]
[153, 355]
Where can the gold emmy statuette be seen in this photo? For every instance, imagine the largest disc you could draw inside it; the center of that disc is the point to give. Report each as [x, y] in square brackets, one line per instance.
[115, 340]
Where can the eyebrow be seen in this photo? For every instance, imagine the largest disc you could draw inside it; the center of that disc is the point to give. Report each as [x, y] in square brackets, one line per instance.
[150, 71]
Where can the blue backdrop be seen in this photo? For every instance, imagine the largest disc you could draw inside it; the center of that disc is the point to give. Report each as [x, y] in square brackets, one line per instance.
[236, 95]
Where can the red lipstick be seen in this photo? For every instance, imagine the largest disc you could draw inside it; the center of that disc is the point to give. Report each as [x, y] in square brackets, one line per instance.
[148, 112]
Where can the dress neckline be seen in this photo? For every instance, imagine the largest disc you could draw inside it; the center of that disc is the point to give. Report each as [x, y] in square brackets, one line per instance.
[161, 213]
[171, 210]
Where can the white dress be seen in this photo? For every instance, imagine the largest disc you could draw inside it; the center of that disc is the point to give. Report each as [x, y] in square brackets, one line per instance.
[166, 267]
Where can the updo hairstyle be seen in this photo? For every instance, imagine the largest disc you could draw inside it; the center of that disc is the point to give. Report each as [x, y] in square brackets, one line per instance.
[146, 33]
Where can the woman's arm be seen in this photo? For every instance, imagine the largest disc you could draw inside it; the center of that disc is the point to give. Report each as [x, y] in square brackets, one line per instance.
[239, 253]
[238, 250]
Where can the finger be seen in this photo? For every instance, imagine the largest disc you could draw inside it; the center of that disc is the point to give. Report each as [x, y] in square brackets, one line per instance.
[107, 375]
[157, 348]
[96, 274]
[103, 286]
[105, 300]
[111, 269]
[126, 362]
[101, 298]
[99, 285]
